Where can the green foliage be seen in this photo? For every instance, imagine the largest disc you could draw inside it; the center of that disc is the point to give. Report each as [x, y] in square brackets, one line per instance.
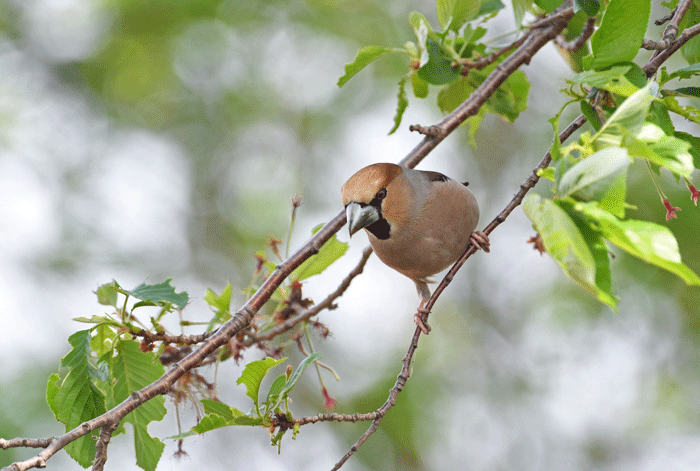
[331, 251]
[76, 395]
[621, 33]
[437, 58]
[220, 415]
[158, 295]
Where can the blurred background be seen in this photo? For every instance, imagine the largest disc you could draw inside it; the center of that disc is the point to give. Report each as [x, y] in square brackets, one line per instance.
[144, 139]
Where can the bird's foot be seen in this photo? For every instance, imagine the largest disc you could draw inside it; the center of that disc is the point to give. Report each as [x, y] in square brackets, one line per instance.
[480, 241]
[421, 318]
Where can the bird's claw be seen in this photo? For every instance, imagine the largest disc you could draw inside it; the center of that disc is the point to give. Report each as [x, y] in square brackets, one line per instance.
[421, 318]
[480, 241]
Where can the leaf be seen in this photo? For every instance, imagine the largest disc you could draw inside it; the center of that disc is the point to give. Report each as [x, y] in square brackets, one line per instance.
[438, 70]
[107, 294]
[159, 294]
[220, 303]
[691, 49]
[686, 72]
[363, 58]
[566, 245]
[510, 99]
[218, 415]
[75, 398]
[548, 5]
[645, 240]
[694, 148]
[490, 6]
[665, 151]
[331, 251]
[589, 178]
[401, 106]
[452, 95]
[520, 7]
[289, 385]
[253, 375]
[133, 370]
[688, 91]
[621, 33]
[452, 14]
[629, 116]
[612, 80]
[590, 7]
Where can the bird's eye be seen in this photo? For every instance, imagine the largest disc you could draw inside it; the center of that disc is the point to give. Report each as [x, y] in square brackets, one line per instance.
[381, 194]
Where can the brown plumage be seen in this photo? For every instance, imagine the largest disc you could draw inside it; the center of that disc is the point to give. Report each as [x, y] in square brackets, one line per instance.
[418, 222]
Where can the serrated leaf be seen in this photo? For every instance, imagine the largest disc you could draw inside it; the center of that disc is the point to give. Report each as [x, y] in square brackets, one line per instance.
[132, 370]
[621, 32]
[566, 245]
[694, 148]
[363, 58]
[107, 294]
[452, 14]
[590, 178]
[75, 398]
[253, 374]
[331, 251]
[590, 7]
[159, 294]
[645, 240]
[686, 72]
[693, 92]
[438, 70]
[401, 105]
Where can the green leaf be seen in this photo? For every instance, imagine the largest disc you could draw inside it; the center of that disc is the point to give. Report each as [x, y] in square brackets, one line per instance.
[694, 148]
[591, 178]
[688, 91]
[331, 251]
[567, 246]
[107, 294]
[629, 116]
[364, 56]
[510, 99]
[645, 240]
[133, 370]
[452, 14]
[287, 386]
[590, 7]
[658, 114]
[621, 33]
[665, 151]
[520, 7]
[420, 86]
[688, 112]
[691, 49]
[686, 72]
[220, 302]
[253, 375]
[438, 70]
[548, 5]
[218, 415]
[490, 6]
[590, 114]
[401, 106]
[547, 173]
[452, 95]
[160, 294]
[75, 398]
[612, 80]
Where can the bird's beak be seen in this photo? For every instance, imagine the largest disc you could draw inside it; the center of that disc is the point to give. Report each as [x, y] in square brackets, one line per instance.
[360, 216]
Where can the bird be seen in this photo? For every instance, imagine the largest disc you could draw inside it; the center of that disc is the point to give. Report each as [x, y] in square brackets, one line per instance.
[418, 222]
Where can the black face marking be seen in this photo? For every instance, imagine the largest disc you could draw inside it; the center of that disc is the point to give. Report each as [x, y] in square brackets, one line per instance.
[438, 177]
[377, 201]
[380, 229]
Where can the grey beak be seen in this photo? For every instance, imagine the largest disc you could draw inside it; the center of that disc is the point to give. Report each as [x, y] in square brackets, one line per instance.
[360, 216]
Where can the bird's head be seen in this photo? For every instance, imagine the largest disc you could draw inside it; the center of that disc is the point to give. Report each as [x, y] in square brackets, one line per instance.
[376, 198]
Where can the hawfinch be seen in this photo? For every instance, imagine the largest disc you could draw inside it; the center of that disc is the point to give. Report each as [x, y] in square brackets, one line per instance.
[418, 222]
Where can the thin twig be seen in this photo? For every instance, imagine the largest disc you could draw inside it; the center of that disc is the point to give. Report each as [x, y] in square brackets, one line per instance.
[655, 62]
[576, 43]
[671, 30]
[101, 447]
